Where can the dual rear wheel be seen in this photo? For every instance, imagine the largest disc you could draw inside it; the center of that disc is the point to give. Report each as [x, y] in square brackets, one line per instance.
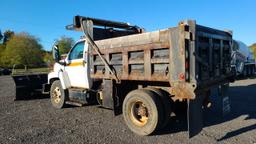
[146, 110]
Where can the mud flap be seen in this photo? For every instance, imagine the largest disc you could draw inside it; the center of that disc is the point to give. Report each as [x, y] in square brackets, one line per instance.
[108, 94]
[223, 94]
[195, 115]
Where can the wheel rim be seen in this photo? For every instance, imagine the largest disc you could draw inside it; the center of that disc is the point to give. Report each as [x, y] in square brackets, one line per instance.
[139, 113]
[56, 95]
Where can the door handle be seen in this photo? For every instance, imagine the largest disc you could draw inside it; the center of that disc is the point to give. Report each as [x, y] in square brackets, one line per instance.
[84, 62]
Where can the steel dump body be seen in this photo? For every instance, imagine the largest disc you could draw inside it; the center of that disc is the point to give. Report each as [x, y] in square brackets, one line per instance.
[186, 56]
[136, 57]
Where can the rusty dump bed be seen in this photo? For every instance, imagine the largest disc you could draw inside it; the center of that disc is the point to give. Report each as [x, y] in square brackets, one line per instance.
[186, 54]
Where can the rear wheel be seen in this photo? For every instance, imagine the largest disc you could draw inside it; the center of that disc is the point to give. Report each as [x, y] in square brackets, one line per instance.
[167, 104]
[141, 111]
[249, 71]
[58, 95]
[253, 70]
[244, 72]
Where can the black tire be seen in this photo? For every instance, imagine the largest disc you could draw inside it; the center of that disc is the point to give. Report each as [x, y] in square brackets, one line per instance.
[150, 109]
[58, 95]
[244, 72]
[167, 104]
[249, 71]
[253, 70]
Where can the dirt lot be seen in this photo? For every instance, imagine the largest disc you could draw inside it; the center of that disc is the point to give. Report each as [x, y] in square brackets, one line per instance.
[36, 121]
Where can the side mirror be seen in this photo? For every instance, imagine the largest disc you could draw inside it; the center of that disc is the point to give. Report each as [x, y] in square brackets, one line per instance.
[56, 53]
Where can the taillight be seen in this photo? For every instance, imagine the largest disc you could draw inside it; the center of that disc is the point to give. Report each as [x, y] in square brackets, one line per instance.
[187, 57]
[181, 76]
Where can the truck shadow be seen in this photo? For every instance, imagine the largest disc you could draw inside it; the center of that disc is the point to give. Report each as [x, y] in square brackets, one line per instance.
[238, 132]
[243, 103]
[32, 97]
[244, 78]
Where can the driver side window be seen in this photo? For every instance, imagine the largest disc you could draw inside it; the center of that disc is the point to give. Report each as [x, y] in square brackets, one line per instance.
[77, 51]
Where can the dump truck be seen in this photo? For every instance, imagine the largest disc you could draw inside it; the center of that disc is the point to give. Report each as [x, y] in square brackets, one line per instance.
[141, 74]
[243, 61]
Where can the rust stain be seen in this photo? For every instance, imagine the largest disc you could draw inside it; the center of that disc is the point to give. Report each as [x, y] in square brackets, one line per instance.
[182, 90]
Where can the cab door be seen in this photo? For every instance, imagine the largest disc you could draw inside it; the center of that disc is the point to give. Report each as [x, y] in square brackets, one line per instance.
[77, 68]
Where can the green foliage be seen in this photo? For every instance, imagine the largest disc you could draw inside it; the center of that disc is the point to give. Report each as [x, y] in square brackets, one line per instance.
[2, 49]
[47, 58]
[4, 38]
[65, 44]
[253, 48]
[22, 48]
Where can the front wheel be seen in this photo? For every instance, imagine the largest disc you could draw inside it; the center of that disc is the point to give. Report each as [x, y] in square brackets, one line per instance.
[58, 95]
[142, 111]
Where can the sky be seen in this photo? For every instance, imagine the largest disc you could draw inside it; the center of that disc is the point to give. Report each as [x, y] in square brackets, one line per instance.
[46, 19]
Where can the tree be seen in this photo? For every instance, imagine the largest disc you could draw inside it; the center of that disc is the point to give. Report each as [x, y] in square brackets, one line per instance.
[1, 36]
[22, 48]
[7, 35]
[47, 58]
[2, 46]
[2, 49]
[65, 44]
[3, 39]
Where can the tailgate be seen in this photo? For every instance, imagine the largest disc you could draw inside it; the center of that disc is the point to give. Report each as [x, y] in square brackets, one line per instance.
[212, 56]
[200, 58]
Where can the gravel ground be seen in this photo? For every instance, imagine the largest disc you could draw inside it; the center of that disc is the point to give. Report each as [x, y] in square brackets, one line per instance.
[36, 121]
